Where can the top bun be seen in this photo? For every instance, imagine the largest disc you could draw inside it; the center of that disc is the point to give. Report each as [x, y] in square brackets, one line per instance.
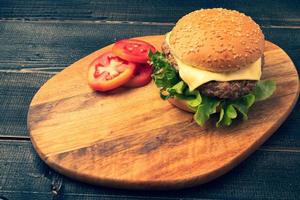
[217, 40]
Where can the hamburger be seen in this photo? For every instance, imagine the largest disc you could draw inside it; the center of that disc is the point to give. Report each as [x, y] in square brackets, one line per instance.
[211, 62]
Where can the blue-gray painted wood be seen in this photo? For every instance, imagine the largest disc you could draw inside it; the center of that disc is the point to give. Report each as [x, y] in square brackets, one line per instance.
[264, 175]
[267, 12]
[40, 38]
[55, 45]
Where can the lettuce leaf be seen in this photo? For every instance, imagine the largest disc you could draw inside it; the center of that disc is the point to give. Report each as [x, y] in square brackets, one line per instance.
[228, 115]
[194, 100]
[264, 89]
[205, 109]
[171, 86]
[221, 117]
[164, 75]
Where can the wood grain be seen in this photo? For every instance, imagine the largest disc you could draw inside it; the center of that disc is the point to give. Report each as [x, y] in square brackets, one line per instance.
[16, 92]
[15, 98]
[268, 12]
[25, 176]
[53, 45]
[121, 140]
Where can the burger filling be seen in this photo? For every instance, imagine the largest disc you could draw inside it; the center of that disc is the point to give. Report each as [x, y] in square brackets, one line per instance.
[208, 82]
[207, 92]
[223, 85]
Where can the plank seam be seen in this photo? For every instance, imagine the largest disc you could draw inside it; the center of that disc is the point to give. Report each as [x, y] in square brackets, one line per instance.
[14, 138]
[133, 22]
[91, 22]
[279, 149]
[24, 71]
[106, 195]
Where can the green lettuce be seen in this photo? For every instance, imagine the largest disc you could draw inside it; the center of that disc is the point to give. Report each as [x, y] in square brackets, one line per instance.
[207, 107]
[164, 75]
[264, 89]
[168, 80]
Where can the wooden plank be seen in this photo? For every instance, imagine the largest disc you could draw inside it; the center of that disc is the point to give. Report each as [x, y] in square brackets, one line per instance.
[51, 46]
[56, 45]
[264, 175]
[16, 91]
[267, 12]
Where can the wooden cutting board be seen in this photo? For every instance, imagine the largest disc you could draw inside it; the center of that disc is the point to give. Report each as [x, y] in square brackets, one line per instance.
[130, 138]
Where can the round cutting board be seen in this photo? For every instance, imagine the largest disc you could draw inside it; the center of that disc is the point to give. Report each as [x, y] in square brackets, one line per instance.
[131, 138]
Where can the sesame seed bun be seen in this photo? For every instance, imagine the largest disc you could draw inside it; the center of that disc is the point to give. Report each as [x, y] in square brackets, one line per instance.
[217, 40]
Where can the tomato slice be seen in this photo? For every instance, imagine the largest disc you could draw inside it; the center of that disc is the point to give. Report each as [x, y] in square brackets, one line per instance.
[108, 72]
[142, 76]
[133, 50]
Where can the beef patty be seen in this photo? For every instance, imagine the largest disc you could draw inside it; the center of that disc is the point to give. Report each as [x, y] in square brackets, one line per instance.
[220, 89]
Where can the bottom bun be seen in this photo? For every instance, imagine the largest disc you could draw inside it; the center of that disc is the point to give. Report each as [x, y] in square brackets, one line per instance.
[180, 104]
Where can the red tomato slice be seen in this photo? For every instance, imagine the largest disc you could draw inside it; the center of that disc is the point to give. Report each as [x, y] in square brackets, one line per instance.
[142, 76]
[108, 72]
[133, 50]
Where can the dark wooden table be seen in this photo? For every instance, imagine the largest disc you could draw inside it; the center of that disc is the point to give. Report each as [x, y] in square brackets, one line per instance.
[39, 38]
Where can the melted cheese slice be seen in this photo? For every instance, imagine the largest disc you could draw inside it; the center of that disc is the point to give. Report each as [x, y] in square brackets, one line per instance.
[195, 77]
